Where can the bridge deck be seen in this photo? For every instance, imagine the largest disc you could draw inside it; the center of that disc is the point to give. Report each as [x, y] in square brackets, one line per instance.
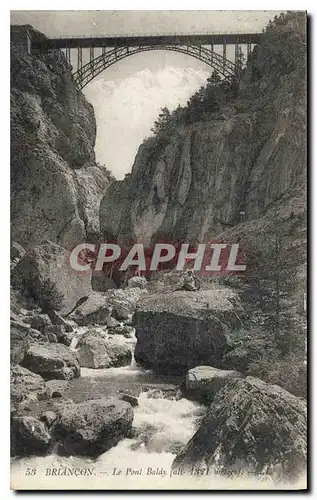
[143, 40]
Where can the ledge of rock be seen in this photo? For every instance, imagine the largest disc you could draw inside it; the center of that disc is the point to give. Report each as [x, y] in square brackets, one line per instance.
[181, 330]
[251, 427]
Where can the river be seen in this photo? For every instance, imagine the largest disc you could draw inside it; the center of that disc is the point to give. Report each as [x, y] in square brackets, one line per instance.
[163, 427]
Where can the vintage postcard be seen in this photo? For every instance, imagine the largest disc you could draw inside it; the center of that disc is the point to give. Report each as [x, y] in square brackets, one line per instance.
[158, 250]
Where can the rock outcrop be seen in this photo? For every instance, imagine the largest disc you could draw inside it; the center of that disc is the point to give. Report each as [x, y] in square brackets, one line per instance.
[250, 428]
[181, 330]
[56, 184]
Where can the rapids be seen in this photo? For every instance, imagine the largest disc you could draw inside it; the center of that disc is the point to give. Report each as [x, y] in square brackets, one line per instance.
[161, 428]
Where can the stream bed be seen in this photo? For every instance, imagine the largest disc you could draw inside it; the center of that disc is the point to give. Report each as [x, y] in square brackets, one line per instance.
[161, 426]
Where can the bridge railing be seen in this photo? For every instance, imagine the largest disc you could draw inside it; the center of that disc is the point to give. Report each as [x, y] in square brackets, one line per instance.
[160, 34]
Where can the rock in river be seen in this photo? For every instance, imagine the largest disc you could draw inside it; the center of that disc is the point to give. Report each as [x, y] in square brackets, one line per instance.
[92, 427]
[202, 382]
[251, 427]
[94, 311]
[29, 436]
[181, 330]
[52, 361]
[124, 301]
[96, 351]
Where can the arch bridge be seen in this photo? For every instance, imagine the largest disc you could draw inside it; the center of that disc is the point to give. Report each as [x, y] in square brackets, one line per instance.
[104, 51]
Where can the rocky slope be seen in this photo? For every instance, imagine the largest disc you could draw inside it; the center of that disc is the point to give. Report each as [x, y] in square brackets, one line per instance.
[56, 185]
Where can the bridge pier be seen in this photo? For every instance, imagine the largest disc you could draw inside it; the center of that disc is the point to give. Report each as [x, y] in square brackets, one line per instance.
[236, 53]
[249, 50]
[224, 54]
[79, 59]
[67, 54]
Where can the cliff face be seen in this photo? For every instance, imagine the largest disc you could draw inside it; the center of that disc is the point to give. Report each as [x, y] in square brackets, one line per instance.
[246, 156]
[56, 185]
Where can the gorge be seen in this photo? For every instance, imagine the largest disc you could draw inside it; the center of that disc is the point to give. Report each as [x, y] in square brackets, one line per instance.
[134, 373]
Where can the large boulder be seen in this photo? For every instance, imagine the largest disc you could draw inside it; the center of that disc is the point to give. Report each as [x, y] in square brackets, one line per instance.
[251, 427]
[49, 262]
[95, 310]
[25, 385]
[52, 361]
[180, 330]
[124, 302]
[95, 351]
[202, 382]
[29, 436]
[92, 427]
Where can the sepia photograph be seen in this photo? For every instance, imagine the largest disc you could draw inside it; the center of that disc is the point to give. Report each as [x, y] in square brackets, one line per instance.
[158, 250]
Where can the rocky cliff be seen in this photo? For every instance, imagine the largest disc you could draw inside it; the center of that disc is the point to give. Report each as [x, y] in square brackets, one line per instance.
[193, 182]
[231, 166]
[56, 185]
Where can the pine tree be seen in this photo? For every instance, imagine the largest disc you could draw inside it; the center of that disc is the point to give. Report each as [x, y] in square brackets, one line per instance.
[163, 121]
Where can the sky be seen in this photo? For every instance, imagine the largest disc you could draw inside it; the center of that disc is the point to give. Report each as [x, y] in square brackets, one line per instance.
[128, 96]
